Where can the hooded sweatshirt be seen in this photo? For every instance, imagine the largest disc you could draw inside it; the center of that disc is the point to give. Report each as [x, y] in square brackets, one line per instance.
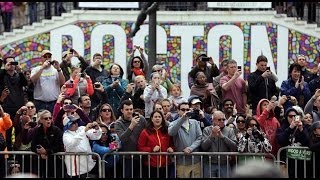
[269, 125]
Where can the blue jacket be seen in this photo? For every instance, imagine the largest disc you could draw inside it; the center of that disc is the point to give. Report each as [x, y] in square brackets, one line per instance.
[114, 94]
[288, 88]
[102, 149]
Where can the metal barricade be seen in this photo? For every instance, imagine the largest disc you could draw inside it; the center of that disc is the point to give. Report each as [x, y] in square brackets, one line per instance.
[139, 163]
[52, 166]
[301, 160]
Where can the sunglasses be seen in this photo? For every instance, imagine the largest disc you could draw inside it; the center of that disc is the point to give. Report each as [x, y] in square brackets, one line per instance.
[240, 121]
[67, 103]
[157, 70]
[251, 125]
[136, 61]
[221, 119]
[47, 56]
[30, 107]
[291, 115]
[105, 110]
[47, 118]
[183, 109]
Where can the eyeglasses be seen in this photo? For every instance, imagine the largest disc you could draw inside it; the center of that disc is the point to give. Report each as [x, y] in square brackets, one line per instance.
[183, 109]
[157, 70]
[221, 119]
[254, 124]
[291, 115]
[228, 104]
[30, 107]
[67, 103]
[47, 118]
[47, 56]
[105, 110]
[136, 61]
[240, 121]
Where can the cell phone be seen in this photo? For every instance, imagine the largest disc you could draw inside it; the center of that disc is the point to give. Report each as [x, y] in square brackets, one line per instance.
[71, 50]
[268, 68]
[205, 59]
[38, 146]
[13, 63]
[300, 78]
[297, 118]
[116, 78]
[97, 85]
[70, 107]
[239, 67]
[83, 75]
[69, 85]
[191, 114]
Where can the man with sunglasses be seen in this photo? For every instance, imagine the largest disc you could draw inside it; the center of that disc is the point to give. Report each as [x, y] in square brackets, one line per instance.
[12, 81]
[47, 79]
[218, 138]
[187, 135]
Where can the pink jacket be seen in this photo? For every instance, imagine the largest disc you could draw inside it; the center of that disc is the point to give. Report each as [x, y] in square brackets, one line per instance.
[6, 6]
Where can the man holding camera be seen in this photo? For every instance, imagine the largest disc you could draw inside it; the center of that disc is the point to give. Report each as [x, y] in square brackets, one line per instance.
[262, 83]
[187, 135]
[209, 71]
[47, 79]
[12, 81]
[234, 87]
[128, 128]
[197, 113]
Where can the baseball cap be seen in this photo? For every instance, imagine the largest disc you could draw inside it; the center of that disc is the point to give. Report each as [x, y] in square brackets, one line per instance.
[45, 52]
[64, 53]
[68, 121]
[193, 99]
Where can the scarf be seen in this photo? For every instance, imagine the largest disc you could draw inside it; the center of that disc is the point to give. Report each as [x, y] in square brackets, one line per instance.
[137, 71]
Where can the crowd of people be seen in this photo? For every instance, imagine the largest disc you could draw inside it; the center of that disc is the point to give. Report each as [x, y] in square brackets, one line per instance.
[61, 107]
[18, 14]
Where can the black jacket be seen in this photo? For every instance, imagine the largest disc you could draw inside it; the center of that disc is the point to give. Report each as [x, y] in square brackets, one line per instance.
[259, 88]
[64, 67]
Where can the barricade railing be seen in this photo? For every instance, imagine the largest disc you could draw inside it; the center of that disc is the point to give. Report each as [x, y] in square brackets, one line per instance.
[298, 161]
[52, 166]
[139, 163]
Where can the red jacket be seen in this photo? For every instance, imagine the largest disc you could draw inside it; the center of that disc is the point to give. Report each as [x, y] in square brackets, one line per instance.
[269, 125]
[147, 142]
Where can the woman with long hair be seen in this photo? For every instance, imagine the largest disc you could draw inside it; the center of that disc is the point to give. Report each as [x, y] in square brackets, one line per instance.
[137, 65]
[155, 138]
[106, 115]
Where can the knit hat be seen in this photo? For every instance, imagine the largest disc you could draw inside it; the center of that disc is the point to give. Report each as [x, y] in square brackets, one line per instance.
[315, 125]
[68, 121]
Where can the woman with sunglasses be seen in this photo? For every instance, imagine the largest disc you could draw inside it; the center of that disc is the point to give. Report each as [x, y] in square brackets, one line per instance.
[293, 133]
[155, 138]
[108, 143]
[106, 115]
[240, 128]
[46, 140]
[137, 65]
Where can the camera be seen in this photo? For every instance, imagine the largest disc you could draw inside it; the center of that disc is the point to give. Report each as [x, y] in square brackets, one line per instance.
[51, 62]
[32, 124]
[71, 50]
[83, 75]
[134, 114]
[268, 68]
[288, 97]
[239, 67]
[97, 85]
[205, 59]
[13, 63]
[195, 114]
[69, 85]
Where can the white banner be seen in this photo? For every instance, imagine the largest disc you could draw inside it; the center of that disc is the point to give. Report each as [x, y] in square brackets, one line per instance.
[109, 4]
[255, 5]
